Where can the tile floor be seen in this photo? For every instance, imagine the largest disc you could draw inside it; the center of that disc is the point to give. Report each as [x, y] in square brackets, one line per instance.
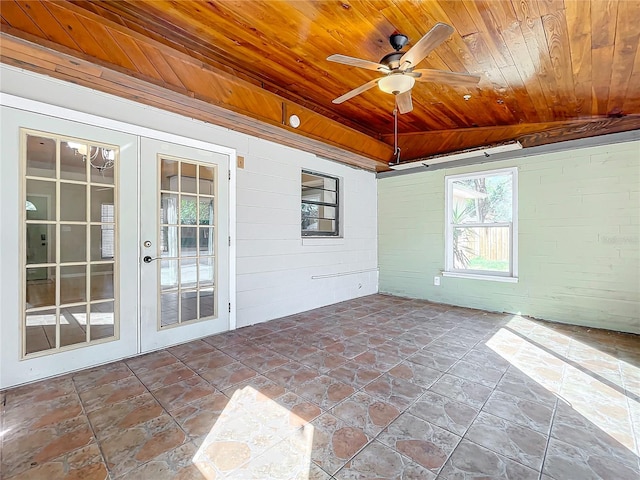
[377, 387]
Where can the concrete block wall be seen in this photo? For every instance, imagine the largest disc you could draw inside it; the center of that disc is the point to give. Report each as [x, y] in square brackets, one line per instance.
[579, 239]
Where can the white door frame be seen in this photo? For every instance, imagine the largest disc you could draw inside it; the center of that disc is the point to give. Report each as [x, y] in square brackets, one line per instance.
[9, 209]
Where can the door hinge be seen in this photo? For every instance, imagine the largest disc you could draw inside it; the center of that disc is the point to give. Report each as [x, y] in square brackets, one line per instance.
[229, 307]
[229, 174]
[229, 240]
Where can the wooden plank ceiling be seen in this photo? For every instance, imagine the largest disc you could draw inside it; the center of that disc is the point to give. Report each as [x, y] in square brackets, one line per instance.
[550, 69]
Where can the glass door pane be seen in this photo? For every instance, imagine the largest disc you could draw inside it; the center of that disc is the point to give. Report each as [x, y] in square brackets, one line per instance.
[187, 247]
[69, 242]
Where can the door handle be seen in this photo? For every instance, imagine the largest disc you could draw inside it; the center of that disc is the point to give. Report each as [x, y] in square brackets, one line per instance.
[149, 259]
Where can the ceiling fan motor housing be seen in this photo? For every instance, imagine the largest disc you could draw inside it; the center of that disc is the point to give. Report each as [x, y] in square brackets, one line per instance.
[392, 60]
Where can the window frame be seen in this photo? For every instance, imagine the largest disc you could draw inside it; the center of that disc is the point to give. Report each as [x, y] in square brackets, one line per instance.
[321, 233]
[449, 270]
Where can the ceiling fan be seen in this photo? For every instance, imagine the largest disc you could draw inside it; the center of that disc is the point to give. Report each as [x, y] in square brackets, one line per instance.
[399, 68]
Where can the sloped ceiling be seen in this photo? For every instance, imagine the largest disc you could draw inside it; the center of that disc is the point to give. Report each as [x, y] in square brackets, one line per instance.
[550, 69]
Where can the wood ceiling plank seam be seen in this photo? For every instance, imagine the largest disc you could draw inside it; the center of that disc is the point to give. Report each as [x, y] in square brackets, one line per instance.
[21, 59]
[531, 104]
[108, 43]
[17, 18]
[76, 25]
[136, 55]
[501, 22]
[97, 9]
[578, 15]
[534, 35]
[160, 64]
[485, 22]
[602, 48]
[555, 27]
[50, 52]
[624, 53]
[603, 31]
[54, 32]
[632, 104]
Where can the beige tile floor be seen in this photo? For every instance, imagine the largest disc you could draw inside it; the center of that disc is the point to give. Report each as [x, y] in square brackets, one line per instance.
[377, 387]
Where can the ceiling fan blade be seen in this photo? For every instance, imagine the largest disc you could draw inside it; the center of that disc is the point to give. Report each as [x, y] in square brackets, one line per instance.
[358, 62]
[450, 78]
[357, 91]
[403, 100]
[423, 47]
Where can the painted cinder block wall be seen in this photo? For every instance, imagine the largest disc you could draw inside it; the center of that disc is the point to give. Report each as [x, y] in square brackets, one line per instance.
[579, 239]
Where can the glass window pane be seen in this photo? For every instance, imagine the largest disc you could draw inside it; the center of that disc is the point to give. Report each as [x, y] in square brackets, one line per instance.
[102, 320]
[73, 160]
[102, 204]
[481, 248]
[102, 242]
[169, 208]
[73, 325]
[41, 244]
[73, 202]
[41, 157]
[73, 284]
[41, 200]
[103, 163]
[73, 243]
[205, 211]
[40, 330]
[188, 273]
[188, 210]
[168, 274]
[206, 303]
[169, 309]
[206, 270]
[188, 178]
[482, 200]
[41, 287]
[169, 241]
[206, 241]
[188, 306]
[207, 180]
[188, 241]
[169, 175]
[102, 281]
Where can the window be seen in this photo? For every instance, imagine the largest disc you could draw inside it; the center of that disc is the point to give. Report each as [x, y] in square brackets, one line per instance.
[481, 229]
[319, 204]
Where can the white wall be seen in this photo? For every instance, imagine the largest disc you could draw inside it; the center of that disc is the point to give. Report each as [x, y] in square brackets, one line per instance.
[274, 265]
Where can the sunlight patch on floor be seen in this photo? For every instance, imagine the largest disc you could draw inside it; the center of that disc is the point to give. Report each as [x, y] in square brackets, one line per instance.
[589, 380]
[255, 437]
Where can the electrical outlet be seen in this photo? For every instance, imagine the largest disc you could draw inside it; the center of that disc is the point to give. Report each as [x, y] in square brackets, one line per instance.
[436, 281]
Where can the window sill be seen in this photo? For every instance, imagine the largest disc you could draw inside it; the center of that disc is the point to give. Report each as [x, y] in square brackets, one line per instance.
[322, 240]
[491, 278]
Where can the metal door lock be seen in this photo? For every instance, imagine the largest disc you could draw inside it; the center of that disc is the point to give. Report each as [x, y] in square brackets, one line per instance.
[149, 259]
[147, 243]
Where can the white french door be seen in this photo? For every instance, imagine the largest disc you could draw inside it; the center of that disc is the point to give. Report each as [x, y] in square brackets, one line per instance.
[69, 276]
[184, 243]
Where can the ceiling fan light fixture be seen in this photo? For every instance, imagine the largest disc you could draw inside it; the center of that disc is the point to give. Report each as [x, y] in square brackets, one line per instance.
[396, 83]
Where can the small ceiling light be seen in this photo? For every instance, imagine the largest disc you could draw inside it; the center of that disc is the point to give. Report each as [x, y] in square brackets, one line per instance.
[294, 121]
[396, 83]
[467, 97]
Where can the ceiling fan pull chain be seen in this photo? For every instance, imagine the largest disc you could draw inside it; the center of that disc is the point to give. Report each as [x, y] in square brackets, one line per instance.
[396, 149]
